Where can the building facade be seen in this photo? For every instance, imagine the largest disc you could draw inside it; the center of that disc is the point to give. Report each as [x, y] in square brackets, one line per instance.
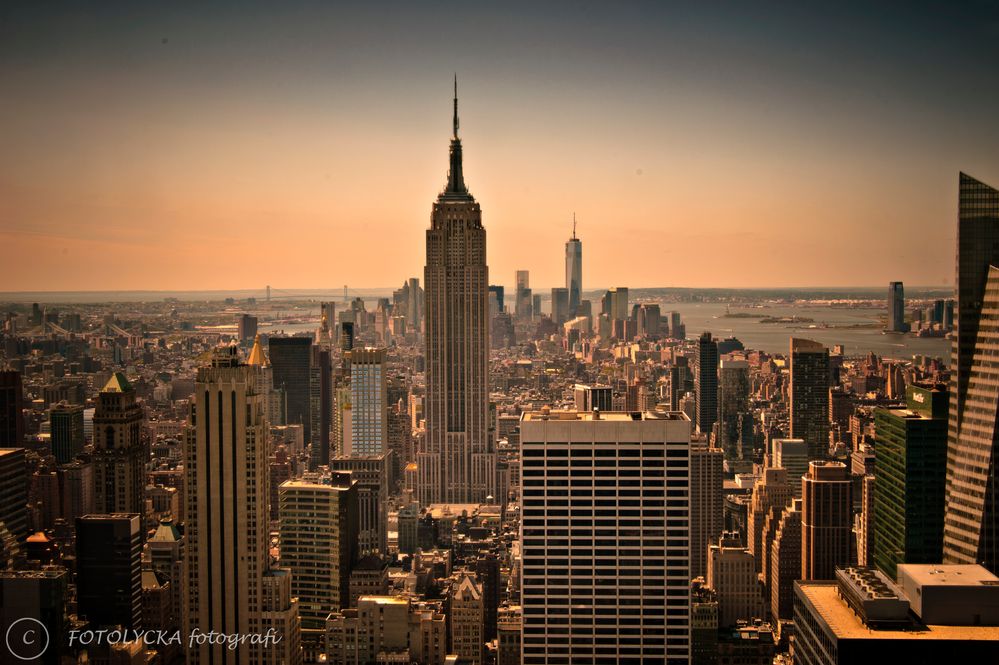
[613, 581]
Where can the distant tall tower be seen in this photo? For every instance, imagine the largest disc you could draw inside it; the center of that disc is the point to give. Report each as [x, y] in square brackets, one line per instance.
[226, 529]
[896, 307]
[119, 453]
[971, 519]
[458, 462]
[574, 269]
[810, 396]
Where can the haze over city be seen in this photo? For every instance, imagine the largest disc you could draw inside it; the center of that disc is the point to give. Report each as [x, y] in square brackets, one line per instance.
[757, 146]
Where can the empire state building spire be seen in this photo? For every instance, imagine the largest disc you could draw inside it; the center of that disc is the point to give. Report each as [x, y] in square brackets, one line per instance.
[456, 188]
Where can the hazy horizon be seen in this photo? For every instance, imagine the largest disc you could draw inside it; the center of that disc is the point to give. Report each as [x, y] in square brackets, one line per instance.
[154, 150]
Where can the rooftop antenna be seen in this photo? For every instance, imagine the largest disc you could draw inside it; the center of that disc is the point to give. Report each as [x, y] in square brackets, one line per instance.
[456, 105]
[573, 225]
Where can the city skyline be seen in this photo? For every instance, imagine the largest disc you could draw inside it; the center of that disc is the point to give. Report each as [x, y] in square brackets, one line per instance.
[226, 130]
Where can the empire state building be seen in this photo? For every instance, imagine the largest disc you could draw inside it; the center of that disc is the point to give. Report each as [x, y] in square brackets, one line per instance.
[458, 460]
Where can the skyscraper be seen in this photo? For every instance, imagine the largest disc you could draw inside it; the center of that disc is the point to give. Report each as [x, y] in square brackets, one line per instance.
[560, 305]
[13, 501]
[291, 372]
[809, 396]
[109, 569]
[458, 463]
[706, 383]
[707, 503]
[909, 478]
[66, 422]
[119, 452]
[792, 455]
[368, 401]
[971, 520]
[523, 302]
[616, 574]
[574, 270]
[771, 493]
[896, 308]
[11, 406]
[826, 520]
[733, 401]
[319, 545]
[225, 459]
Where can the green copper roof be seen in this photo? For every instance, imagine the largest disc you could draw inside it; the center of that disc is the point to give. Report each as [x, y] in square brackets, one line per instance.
[117, 384]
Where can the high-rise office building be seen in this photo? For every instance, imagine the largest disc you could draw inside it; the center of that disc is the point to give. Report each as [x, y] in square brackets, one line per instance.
[733, 401]
[617, 572]
[496, 304]
[733, 576]
[42, 597]
[706, 383]
[826, 520]
[66, 427]
[467, 619]
[588, 398]
[560, 305]
[319, 545]
[109, 570]
[291, 372]
[119, 451]
[574, 270]
[791, 455]
[971, 519]
[896, 308]
[246, 327]
[458, 462]
[707, 503]
[13, 502]
[909, 479]
[649, 320]
[771, 493]
[523, 301]
[809, 396]
[785, 562]
[11, 408]
[321, 393]
[225, 459]
[368, 402]
[371, 475]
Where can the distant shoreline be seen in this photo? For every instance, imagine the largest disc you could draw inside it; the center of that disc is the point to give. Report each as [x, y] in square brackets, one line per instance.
[681, 294]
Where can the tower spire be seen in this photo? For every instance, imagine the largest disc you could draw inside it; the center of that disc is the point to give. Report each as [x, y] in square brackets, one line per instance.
[455, 178]
[574, 225]
[456, 105]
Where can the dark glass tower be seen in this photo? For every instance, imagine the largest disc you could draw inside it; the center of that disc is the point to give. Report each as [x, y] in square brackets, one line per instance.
[109, 569]
[291, 371]
[971, 522]
[810, 396]
[706, 383]
[458, 463]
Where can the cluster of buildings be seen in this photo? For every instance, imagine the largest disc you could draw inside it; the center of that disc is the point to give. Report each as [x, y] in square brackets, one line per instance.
[454, 478]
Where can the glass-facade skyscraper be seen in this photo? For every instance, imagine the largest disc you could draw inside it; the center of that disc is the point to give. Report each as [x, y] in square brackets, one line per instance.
[971, 522]
[574, 270]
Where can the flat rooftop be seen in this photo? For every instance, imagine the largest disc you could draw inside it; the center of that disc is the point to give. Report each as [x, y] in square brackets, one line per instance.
[613, 416]
[938, 574]
[848, 626]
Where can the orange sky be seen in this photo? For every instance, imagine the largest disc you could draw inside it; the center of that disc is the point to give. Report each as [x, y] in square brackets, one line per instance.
[164, 161]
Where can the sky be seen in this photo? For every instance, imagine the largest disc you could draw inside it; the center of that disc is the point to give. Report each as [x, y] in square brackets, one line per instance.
[182, 146]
